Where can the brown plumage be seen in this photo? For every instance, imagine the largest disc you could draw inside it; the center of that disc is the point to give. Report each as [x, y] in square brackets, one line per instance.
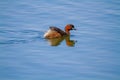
[55, 32]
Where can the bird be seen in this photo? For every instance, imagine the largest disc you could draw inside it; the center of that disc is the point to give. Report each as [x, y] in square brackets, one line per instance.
[55, 32]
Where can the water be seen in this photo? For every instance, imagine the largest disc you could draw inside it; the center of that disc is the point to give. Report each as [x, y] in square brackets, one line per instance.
[26, 55]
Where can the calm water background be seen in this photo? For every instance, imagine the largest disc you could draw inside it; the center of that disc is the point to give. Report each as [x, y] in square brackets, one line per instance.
[26, 55]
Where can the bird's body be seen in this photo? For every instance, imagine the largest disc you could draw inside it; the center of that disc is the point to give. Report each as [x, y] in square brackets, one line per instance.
[55, 32]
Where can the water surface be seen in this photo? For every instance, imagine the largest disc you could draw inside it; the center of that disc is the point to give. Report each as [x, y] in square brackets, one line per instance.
[26, 55]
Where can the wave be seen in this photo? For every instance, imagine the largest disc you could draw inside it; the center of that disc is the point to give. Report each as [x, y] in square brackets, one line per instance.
[18, 37]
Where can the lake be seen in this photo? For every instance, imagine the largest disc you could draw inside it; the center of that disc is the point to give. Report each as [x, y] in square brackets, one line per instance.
[92, 52]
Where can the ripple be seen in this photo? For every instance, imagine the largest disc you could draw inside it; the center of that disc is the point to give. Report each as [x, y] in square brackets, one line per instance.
[13, 41]
[18, 37]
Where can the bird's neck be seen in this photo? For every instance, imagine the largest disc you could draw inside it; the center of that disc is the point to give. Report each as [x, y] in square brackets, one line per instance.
[68, 32]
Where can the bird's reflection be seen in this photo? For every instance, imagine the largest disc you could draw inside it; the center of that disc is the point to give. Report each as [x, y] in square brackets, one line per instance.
[57, 41]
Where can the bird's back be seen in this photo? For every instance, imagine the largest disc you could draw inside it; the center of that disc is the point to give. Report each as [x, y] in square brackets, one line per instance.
[54, 32]
[58, 30]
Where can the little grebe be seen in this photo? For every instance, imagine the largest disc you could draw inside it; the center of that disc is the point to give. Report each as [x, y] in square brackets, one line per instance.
[55, 32]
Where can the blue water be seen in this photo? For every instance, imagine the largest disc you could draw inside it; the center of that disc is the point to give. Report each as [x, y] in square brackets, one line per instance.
[26, 55]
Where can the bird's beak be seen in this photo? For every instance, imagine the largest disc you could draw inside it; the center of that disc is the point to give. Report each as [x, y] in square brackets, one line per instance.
[74, 29]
